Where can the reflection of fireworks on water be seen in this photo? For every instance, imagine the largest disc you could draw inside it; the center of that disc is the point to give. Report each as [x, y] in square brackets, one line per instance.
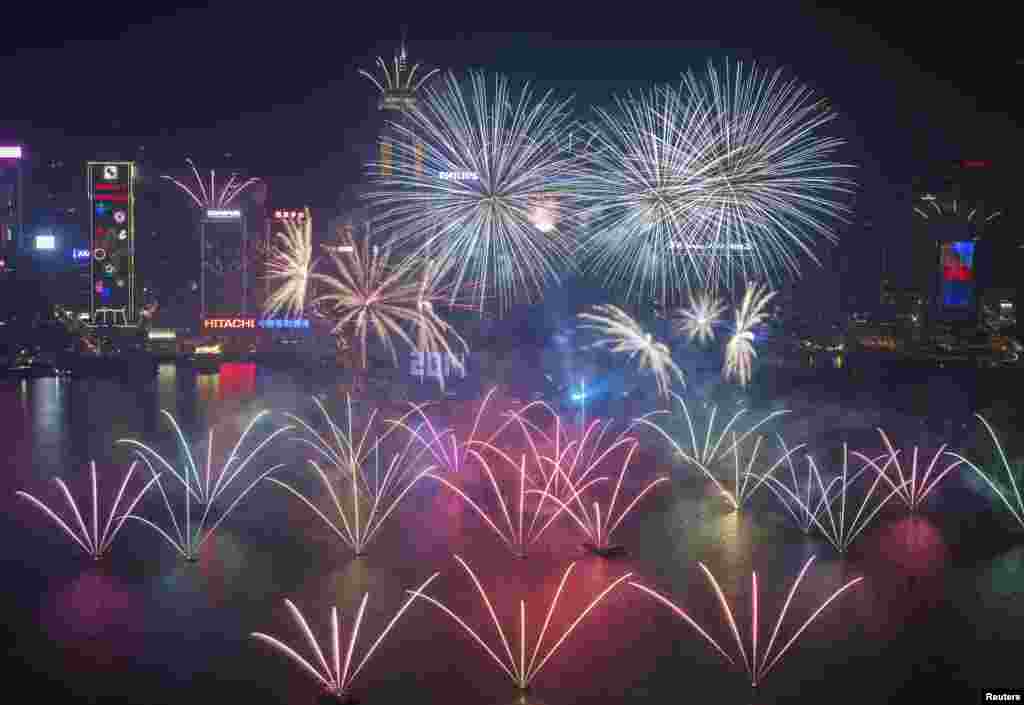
[290, 266]
[757, 664]
[336, 677]
[739, 351]
[521, 670]
[623, 334]
[374, 492]
[469, 172]
[206, 195]
[95, 543]
[369, 295]
[699, 320]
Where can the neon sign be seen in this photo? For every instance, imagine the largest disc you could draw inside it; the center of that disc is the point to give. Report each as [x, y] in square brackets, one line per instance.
[284, 323]
[10, 152]
[458, 176]
[222, 214]
[232, 323]
[79, 254]
[289, 215]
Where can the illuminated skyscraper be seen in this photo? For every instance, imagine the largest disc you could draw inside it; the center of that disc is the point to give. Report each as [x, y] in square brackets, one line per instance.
[398, 85]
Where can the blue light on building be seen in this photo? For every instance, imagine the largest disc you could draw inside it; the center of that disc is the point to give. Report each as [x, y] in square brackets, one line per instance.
[284, 323]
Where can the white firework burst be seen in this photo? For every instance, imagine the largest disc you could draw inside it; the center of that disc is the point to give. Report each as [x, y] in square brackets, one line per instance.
[739, 351]
[725, 177]
[623, 334]
[290, 267]
[206, 194]
[698, 321]
[472, 183]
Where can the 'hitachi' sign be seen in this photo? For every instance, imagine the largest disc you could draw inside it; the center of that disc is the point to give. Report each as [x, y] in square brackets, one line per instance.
[246, 323]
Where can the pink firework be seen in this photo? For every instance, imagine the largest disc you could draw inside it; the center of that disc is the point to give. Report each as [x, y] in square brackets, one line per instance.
[757, 664]
[206, 194]
[913, 486]
[336, 676]
[518, 667]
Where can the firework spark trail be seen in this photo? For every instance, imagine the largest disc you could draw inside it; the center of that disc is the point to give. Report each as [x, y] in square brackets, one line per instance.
[697, 322]
[623, 334]
[704, 454]
[725, 176]
[350, 457]
[93, 542]
[636, 192]
[189, 538]
[757, 665]
[290, 266]
[913, 487]
[799, 510]
[206, 196]
[1014, 504]
[201, 486]
[597, 525]
[769, 181]
[739, 351]
[522, 671]
[369, 294]
[335, 677]
[840, 532]
[468, 174]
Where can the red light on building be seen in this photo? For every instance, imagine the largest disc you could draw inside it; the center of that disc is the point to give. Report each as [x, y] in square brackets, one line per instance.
[242, 323]
[974, 164]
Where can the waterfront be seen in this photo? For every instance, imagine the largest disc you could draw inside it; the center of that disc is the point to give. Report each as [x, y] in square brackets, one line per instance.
[143, 626]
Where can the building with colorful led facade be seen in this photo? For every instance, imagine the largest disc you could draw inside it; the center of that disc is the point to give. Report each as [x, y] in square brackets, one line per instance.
[959, 237]
[112, 234]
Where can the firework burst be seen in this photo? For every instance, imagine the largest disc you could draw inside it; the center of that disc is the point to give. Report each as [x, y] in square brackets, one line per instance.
[472, 185]
[913, 485]
[95, 543]
[373, 493]
[206, 194]
[290, 267]
[770, 185]
[336, 677]
[623, 334]
[368, 295]
[757, 664]
[521, 670]
[739, 351]
[1010, 494]
[698, 321]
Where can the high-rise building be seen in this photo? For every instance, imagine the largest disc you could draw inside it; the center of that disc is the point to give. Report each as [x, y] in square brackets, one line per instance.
[11, 206]
[960, 237]
[399, 85]
[112, 233]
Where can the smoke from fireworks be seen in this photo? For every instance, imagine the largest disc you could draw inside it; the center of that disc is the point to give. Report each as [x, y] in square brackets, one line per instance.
[623, 334]
[472, 182]
[290, 266]
[698, 321]
[739, 351]
[369, 295]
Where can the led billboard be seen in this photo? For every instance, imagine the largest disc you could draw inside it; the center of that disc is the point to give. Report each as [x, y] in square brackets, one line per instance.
[112, 235]
[957, 275]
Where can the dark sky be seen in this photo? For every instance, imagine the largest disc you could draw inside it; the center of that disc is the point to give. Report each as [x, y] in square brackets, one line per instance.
[278, 88]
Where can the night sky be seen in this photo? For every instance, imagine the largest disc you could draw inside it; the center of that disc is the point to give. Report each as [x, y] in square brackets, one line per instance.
[279, 90]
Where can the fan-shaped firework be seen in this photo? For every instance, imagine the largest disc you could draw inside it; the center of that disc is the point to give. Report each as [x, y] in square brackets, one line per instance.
[206, 195]
[623, 334]
[725, 176]
[1010, 494]
[368, 294]
[473, 182]
[757, 668]
[739, 351]
[698, 321]
[289, 268]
